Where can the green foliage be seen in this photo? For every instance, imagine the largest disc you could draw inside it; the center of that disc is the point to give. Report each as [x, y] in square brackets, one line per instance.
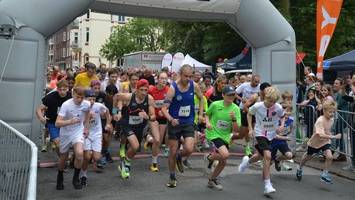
[209, 41]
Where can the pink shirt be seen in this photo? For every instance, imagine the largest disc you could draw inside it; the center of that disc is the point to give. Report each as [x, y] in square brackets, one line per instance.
[322, 126]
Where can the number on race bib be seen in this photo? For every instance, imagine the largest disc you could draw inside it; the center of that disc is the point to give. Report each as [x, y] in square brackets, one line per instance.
[135, 120]
[184, 111]
[223, 125]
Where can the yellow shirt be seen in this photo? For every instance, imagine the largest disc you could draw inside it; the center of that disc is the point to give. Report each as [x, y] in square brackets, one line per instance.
[125, 86]
[83, 80]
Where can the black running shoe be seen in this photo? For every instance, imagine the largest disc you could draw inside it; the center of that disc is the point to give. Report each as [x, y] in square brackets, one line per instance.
[83, 181]
[60, 185]
[108, 158]
[277, 165]
[77, 184]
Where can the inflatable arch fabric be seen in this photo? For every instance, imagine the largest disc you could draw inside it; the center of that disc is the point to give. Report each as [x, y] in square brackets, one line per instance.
[25, 26]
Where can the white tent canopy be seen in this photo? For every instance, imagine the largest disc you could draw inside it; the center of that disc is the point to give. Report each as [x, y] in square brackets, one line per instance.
[194, 63]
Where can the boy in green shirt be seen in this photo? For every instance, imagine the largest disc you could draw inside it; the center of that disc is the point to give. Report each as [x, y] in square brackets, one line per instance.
[222, 118]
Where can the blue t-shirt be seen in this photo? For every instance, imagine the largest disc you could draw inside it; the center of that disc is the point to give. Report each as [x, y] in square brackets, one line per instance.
[182, 106]
[288, 125]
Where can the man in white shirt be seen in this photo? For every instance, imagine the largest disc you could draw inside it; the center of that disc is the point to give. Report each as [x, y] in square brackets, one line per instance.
[73, 121]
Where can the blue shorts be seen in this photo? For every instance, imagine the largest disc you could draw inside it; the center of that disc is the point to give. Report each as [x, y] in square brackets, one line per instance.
[53, 131]
[280, 145]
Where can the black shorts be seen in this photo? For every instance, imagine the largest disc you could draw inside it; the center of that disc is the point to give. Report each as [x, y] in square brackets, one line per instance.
[311, 150]
[281, 146]
[262, 144]
[182, 130]
[244, 118]
[137, 131]
[218, 142]
[162, 121]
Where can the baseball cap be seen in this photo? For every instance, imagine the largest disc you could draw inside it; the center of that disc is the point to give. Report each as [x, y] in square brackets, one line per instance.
[90, 93]
[142, 83]
[228, 90]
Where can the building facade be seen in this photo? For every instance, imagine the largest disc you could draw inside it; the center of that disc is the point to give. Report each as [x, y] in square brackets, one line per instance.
[81, 40]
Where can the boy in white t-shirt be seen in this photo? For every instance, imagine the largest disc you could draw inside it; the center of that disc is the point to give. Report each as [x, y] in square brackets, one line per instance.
[93, 142]
[321, 140]
[268, 115]
[73, 121]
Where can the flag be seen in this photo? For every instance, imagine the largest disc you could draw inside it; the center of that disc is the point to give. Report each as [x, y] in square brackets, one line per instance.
[327, 16]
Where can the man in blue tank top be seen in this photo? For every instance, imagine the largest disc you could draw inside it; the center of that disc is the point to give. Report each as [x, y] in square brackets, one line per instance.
[180, 102]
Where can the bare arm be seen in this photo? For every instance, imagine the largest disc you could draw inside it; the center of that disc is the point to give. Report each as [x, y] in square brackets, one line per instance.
[201, 102]
[40, 113]
[151, 103]
[168, 99]
[61, 122]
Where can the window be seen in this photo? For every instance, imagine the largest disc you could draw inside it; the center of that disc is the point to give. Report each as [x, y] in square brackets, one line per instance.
[76, 40]
[87, 34]
[86, 58]
[64, 53]
[64, 36]
[88, 15]
[121, 18]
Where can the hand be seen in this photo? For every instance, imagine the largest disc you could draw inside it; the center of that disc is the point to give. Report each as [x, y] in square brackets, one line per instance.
[160, 113]
[337, 136]
[208, 126]
[201, 119]
[44, 119]
[174, 122]
[245, 109]
[74, 120]
[143, 115]
[251, 133]
[280, 129]
[232, 116]
[109, 128]
[86, 133]
[117, 117]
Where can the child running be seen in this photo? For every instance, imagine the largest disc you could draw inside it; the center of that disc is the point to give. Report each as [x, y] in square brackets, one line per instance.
[223, 118]
[268, 115]
[321, 140]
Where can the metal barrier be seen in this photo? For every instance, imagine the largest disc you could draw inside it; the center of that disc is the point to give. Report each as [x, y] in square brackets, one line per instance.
[306, 116]
[344, 123]
[18, 165]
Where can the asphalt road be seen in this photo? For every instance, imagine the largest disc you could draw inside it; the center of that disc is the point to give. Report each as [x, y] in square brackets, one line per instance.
[145, 185]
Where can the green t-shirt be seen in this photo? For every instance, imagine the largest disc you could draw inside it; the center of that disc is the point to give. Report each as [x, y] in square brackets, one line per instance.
[197, 106]
[220, 120]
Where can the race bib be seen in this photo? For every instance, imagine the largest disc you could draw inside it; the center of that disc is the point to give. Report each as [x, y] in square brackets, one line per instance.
[268, 126]
[135, 120]
[223, 125]
[184, 111]
[159, 103]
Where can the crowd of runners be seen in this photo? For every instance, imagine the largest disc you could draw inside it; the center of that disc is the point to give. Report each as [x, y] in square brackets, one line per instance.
[177, 113]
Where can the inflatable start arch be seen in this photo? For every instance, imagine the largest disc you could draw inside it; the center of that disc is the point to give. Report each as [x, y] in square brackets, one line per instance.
[25, 25]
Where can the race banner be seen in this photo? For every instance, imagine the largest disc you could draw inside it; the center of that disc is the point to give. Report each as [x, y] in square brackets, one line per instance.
[327, 16]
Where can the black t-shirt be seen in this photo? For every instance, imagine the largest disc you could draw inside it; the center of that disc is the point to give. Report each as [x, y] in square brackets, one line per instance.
[53, 102]
[100, 98]
[215, 96]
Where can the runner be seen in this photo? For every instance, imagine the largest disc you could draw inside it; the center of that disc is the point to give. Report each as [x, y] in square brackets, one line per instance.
[84, 79]
[268, 115]
[158, 93]
[180, 101]
[247, 93]
[48, 110]
[73, 121]
[140, 107]
[321, 140]
[222, 118]
[93, 142]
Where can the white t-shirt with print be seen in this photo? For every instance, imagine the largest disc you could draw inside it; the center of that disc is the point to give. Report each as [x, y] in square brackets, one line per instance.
[95, 119]
[267, 119]
[247, 90]
[70, 110]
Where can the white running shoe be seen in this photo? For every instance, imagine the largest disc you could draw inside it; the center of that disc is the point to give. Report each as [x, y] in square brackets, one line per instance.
[244, 164]
[269, 189]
